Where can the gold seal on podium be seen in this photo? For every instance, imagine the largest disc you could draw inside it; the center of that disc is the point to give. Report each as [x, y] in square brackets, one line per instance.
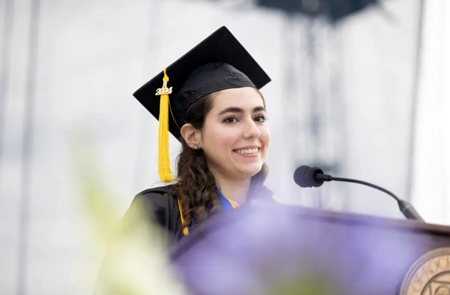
[430, 274]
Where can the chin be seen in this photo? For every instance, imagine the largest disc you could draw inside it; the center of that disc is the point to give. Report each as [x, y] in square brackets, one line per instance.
[251, 171]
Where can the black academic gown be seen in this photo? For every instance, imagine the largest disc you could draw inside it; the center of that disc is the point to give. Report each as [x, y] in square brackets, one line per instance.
[162, 207]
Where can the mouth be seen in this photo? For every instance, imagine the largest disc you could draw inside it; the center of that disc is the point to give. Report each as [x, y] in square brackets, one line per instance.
[248, 151]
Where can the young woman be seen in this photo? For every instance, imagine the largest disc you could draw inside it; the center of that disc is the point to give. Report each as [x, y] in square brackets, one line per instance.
[217, 112]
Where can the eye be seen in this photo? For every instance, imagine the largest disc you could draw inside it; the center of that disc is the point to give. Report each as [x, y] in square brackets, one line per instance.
[260, 118]
[230, 120]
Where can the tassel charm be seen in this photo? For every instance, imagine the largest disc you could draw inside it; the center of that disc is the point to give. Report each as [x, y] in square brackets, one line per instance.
[165, 174]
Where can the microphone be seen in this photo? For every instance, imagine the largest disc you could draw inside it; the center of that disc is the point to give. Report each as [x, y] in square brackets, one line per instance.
[306, 176]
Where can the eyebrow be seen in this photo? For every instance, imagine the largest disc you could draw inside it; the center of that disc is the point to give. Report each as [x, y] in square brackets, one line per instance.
[239, 110]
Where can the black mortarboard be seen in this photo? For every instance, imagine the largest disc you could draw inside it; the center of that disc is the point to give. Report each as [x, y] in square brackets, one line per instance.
[219, 62]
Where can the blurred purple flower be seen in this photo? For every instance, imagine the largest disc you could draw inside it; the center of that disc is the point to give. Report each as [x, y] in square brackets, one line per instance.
[263, 249]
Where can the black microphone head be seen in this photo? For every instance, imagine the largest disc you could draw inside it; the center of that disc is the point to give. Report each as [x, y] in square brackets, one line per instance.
[304, 176]
[300, 176]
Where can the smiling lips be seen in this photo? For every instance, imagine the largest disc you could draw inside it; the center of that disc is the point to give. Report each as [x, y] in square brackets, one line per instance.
[248, 151]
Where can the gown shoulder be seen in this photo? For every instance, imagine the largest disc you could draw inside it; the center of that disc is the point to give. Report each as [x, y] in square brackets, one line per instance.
[160, 206]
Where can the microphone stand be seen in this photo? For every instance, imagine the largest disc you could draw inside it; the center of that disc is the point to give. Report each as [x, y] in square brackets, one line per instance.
[405, 207]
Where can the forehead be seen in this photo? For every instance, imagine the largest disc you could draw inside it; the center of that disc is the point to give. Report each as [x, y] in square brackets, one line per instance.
[244, 97]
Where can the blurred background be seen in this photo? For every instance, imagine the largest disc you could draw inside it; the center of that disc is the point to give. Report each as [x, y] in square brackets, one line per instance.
[359, 88]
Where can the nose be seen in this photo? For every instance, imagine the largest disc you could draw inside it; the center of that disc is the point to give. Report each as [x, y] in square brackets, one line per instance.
[251, 130]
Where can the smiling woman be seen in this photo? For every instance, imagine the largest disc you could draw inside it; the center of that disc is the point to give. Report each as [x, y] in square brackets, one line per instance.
[217, 112]
[235, 136]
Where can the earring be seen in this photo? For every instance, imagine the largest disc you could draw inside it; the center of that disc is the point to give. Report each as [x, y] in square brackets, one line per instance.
[196, 147]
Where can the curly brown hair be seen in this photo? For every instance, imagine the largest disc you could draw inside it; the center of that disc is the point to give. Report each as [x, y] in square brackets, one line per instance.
[196, 185]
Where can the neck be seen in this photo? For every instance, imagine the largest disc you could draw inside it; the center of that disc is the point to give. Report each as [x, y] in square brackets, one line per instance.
[235, 190]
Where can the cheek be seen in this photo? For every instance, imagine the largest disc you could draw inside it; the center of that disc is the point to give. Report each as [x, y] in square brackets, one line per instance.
[265, 140]
[218, 137]
[226, 139]
[265, 135]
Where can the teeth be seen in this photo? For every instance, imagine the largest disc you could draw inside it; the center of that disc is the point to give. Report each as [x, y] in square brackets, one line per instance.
[248, 151]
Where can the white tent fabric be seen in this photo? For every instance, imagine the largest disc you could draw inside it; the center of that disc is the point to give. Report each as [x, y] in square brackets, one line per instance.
[431, 185]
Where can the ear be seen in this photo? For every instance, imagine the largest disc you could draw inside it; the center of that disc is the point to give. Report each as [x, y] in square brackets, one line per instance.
[191, 136]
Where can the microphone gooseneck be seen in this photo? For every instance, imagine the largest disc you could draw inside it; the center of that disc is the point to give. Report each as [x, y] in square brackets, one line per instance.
[306, 176]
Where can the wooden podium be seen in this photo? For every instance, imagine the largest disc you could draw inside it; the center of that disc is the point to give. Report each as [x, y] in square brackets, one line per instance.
[273, 249]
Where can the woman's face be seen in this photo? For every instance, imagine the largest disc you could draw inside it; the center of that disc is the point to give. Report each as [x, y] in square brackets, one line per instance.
[235, 136]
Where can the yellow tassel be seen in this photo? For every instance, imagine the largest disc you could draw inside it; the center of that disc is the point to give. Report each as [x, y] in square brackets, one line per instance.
[186, 229]
[165, 174]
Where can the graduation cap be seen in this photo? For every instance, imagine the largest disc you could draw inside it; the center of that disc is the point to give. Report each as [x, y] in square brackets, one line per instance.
[219, 62]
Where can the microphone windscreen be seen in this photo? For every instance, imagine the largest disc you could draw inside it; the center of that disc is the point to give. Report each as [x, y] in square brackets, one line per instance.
[301, 176]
